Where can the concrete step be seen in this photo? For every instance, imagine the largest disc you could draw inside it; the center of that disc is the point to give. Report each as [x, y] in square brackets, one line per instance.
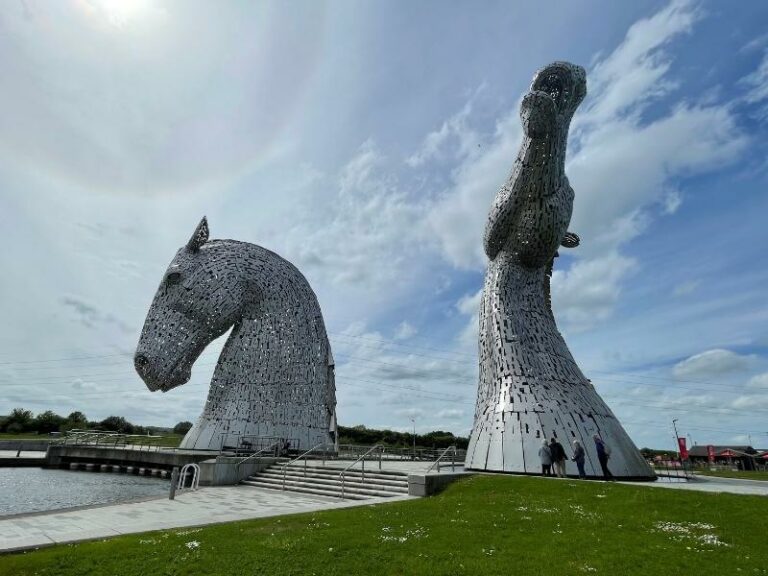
[319, 492]
[325, 481]
[335, 482]
[355, 472]
[351, 480]
[328, 489]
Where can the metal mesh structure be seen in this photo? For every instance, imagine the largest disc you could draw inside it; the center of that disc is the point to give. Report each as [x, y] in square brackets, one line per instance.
[530, 387]
[275, 374]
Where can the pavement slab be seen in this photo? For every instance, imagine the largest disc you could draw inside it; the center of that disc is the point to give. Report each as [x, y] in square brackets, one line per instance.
[190, 508]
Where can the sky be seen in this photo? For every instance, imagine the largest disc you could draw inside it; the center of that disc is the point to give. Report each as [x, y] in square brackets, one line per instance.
[365, 142]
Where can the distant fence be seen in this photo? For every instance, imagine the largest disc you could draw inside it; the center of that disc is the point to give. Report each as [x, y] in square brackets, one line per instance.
[347, 451]
[116, 439]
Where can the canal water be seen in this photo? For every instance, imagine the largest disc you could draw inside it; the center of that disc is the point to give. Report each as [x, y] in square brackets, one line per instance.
[35, 489]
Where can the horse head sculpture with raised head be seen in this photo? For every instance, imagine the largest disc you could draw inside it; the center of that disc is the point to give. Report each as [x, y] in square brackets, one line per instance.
[274, 377]
[530, 387]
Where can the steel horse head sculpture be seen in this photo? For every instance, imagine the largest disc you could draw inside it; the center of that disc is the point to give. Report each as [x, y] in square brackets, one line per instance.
[275, 374]
[530, 387]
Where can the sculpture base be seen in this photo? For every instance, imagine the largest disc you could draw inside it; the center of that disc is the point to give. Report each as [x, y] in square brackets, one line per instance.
[569, 476]
[508, 441]
[218, 435]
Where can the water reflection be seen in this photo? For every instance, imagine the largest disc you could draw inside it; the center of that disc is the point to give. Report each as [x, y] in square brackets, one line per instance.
[35, 489]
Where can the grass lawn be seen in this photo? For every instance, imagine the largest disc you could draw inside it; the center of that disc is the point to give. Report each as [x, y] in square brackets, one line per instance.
[169, 440]
[484, 525]
[24, 436]
[744, 475]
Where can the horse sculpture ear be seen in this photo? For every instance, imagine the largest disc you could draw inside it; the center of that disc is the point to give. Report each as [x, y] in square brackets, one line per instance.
[199, 237]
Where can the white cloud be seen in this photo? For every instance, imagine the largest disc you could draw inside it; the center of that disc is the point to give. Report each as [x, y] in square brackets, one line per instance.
[635, 73]
[757, 85]
[686, 288]
[711, 363]
[405, 330]
[469, 305]
[458, 217]
[672, 201]
[455, 131]
[364, 230]
[751, 401]
[451, 413]
[755, 44]
[411, 413]
[587, 292]
[759, 381]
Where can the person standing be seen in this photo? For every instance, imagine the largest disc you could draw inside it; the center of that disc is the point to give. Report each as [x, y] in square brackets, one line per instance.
[558, 457]
[545, 454]
[578, 457]
[603, 453]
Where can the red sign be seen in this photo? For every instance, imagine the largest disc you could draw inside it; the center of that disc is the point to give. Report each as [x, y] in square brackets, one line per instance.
[683, 448]
[711, 453]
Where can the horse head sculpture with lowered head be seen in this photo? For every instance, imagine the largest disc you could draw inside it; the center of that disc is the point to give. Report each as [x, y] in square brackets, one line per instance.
[274, 377]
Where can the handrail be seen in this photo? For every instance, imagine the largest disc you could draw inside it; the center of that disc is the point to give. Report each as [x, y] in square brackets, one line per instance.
[274, 446]
[110, 438]
[437, 462]
[342, 475]
[323, 444]
[195, 483]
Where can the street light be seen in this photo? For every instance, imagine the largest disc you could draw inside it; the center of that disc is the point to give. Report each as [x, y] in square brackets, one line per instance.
[677, 437]
[413, 421]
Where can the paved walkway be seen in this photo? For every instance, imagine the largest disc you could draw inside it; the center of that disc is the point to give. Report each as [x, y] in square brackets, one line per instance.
[23, 454]
[205, 506]
[713, 484]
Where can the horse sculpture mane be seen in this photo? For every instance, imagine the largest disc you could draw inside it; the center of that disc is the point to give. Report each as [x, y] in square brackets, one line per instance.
[530, 386]
[275, 375]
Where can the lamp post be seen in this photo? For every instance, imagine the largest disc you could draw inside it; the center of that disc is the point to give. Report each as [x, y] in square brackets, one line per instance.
[677, 436]
[413, 421]
[677, 440]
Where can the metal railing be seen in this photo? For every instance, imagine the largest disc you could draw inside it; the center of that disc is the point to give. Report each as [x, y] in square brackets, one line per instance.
[437, 463]
[195, 482]
[274, 448]
[107, 439]
[352, 451]
[342, 475]
[248, 444]
[672, 470]
[305, 457]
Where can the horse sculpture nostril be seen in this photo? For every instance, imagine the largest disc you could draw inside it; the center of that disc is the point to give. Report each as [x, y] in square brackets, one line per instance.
[141, 361]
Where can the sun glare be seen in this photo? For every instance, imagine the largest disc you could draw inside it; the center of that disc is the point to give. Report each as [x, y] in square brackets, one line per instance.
[120, 13]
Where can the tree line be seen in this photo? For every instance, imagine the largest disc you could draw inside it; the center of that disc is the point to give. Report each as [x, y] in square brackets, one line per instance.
[21, 421]
[367, 436]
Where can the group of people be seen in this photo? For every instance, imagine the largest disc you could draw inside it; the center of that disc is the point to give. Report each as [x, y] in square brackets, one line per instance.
[553, 457]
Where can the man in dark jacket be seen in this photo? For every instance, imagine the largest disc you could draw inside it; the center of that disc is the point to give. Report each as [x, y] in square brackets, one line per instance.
[603, 452]
[558, 457]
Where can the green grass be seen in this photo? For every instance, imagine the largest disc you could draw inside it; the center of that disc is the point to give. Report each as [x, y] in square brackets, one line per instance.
[744, 475]
[484, 525]
[24, 436]
[169, 440]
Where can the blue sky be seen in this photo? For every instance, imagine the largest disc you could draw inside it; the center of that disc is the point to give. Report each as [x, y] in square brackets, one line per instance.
[364, 142]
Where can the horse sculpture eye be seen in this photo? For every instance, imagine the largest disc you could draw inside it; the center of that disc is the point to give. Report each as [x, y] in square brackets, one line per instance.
[173, 278]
